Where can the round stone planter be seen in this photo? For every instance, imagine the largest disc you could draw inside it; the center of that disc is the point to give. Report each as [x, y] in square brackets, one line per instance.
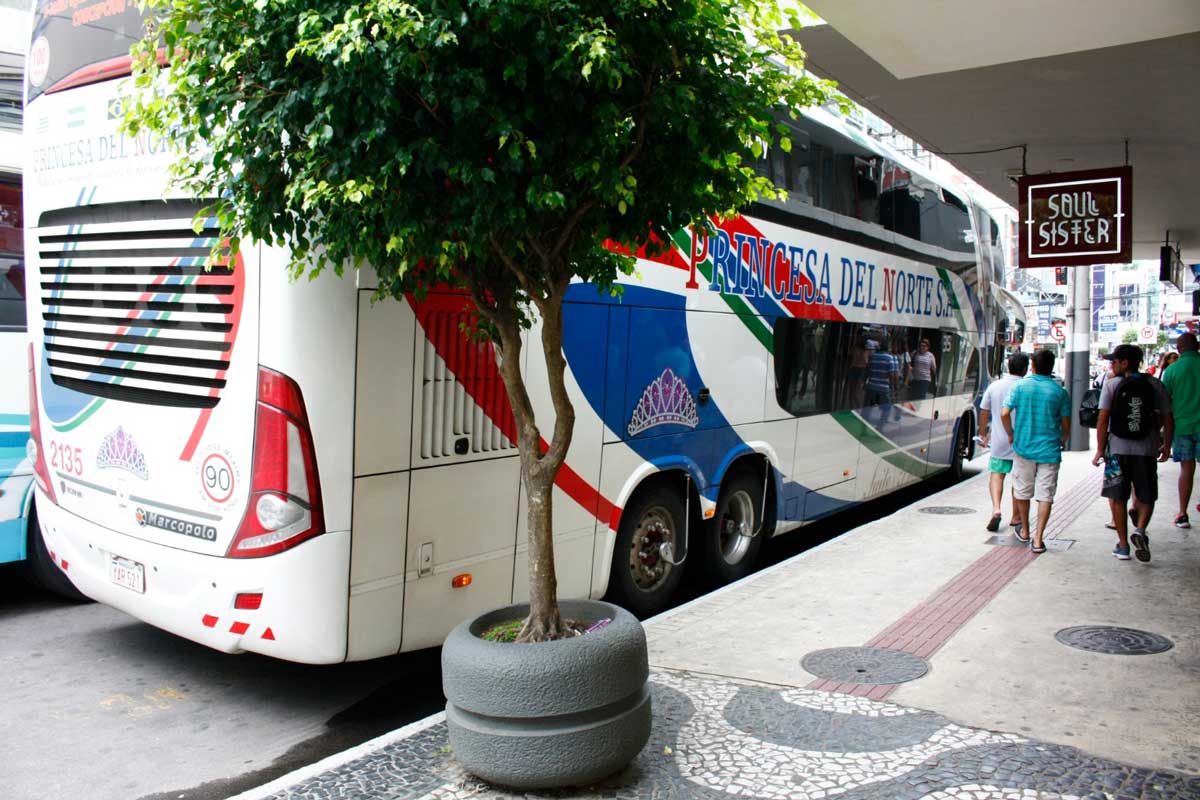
[561, 713]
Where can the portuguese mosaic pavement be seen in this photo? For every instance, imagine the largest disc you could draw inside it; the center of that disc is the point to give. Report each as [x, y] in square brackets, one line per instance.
[716, 738]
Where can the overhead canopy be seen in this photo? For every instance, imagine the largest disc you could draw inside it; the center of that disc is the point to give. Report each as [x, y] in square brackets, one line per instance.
[1072, 80]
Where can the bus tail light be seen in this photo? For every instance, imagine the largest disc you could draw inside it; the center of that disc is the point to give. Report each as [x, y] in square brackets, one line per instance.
[33, 449]
[285, 491]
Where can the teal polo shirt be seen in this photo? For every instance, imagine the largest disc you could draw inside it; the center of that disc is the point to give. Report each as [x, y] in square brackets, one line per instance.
[1182, 380]
[1038, 405]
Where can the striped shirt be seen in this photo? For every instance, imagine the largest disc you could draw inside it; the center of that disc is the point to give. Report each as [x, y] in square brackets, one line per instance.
[880, 369]
[1038, 406]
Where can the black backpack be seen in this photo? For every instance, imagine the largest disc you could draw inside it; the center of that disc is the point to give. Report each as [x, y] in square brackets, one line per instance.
[1132, 413]
[1089, 408]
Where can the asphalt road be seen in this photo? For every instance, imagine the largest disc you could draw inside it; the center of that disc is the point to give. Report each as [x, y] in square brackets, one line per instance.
[98, 705]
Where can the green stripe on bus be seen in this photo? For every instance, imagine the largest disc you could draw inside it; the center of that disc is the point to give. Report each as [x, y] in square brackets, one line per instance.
[736, 304]
[948, 285]
[857, 427]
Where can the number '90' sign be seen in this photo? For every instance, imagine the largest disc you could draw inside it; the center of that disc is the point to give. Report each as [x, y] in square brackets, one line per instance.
[216, 475]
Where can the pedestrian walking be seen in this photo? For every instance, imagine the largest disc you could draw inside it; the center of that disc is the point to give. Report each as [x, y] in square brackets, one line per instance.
[1133, 406]
[1037, 418]
[1000, 462]
[1182, 382]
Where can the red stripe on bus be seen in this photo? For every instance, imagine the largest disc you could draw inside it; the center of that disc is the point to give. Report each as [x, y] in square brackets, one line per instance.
[235, 319]
[474, 366]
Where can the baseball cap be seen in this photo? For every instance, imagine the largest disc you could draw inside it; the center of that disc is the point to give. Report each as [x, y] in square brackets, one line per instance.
[1125, 352]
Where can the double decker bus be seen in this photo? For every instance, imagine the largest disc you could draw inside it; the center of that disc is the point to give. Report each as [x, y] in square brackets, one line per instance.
[294, 470]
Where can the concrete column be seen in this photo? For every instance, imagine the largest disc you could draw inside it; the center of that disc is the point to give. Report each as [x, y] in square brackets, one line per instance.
[1078, 350]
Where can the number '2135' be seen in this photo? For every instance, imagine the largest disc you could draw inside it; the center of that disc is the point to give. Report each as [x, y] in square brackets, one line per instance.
[68, 459]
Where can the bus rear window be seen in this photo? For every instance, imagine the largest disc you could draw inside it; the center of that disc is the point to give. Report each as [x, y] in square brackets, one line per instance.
[75, 43]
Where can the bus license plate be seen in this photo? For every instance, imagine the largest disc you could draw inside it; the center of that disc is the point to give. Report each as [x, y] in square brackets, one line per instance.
[129, 574]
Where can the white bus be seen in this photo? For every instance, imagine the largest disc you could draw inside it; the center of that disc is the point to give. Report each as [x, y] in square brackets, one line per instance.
[294, 470]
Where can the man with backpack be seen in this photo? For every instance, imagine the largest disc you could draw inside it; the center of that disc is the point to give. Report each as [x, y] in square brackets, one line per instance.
[1133, 406]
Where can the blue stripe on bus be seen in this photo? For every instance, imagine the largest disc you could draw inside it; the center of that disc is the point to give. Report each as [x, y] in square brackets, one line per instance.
[13, 439]
[14, 419]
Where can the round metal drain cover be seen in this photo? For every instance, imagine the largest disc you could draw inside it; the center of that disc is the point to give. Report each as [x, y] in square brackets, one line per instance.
[946, 510]
[1113, 640]
[866, 665]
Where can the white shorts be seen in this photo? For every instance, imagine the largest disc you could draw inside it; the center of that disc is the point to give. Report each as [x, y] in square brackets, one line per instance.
[1034, 481]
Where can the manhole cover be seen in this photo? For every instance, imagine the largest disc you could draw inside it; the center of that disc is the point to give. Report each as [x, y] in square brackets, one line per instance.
[1113, 640]
[946, 510]
[866, 665]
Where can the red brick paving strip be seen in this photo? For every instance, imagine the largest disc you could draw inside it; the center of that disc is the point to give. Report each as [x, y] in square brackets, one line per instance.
[924, 630]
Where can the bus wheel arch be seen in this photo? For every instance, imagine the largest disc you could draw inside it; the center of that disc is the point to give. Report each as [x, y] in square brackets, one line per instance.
[962, 449]
[40, 567]
[645, 575]
[745, 515]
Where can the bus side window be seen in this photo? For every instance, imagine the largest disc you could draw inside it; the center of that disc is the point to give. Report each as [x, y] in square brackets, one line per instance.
[802, 378]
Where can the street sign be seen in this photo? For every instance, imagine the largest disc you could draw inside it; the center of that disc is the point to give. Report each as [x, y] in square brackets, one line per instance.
[1108, 321]
[1147, 334]
[1045, 312]
[1058, 331]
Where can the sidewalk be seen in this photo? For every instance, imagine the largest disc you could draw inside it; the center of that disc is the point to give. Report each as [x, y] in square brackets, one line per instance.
[970, 696]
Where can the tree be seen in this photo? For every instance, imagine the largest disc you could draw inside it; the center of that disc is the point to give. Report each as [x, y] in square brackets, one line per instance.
[1129, 337]
[491, 145]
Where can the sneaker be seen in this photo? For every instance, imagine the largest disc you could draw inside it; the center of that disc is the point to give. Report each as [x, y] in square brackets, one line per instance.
[1121, 553]
[1021, 537]
[1182, 521]
[1141, 545]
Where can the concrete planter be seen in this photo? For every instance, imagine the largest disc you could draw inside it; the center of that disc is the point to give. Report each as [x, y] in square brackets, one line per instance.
[562, 713]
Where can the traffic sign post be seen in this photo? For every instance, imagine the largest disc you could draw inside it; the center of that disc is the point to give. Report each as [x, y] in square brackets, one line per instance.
[1058, 331]
[1147, 334]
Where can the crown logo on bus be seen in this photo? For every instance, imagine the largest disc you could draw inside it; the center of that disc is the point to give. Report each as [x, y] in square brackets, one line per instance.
[119, 451]
[666, 401]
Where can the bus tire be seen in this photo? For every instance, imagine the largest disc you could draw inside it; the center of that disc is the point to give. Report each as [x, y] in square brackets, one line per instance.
[736, 532]
[642, 580]
[41, 568]
[958, 456]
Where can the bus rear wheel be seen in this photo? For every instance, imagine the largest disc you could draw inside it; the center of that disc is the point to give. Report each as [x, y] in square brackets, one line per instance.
[643, 579]
[41, 568]
[735, 534]
[958, 456]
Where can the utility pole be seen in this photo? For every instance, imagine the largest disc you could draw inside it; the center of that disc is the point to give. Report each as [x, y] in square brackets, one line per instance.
[1079, 330]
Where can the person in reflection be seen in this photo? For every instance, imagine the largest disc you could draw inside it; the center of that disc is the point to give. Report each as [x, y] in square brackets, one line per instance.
[994, 436]
[856, 374]
[924, 371]
[883, 378]
[1037, 418]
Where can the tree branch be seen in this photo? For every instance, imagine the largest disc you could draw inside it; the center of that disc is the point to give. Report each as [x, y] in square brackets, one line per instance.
[556, 366]
[535, 291]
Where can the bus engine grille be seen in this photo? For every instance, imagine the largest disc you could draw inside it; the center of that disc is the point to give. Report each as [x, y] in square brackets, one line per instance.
[130, 310]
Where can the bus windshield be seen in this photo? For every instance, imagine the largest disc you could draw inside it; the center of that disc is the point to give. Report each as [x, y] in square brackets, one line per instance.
[91, 42]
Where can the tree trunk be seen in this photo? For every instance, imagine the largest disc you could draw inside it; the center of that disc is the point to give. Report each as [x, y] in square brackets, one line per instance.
[538, 469]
